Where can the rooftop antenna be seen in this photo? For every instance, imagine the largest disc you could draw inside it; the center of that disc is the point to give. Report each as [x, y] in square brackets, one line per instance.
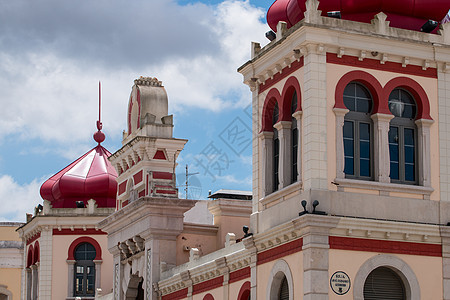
[99, 136]
[187, 180]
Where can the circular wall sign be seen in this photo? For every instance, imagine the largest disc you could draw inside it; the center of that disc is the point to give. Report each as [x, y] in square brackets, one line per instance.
[340, 283]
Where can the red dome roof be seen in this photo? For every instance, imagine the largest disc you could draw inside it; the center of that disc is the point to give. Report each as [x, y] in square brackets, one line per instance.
[89, 177]
[406, 14]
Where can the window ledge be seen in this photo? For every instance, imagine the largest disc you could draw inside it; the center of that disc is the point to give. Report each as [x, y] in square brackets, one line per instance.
[384, 187]
[280, 194]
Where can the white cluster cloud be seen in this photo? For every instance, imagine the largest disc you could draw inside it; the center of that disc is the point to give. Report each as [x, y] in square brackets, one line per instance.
[20, 199]
[53, 53]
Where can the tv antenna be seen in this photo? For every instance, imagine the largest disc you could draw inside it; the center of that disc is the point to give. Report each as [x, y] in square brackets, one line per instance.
[187, 180]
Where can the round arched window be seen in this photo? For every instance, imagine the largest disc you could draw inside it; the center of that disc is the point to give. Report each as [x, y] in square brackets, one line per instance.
[383, 283]
[84, 270]
[357, 131]
[402, 137]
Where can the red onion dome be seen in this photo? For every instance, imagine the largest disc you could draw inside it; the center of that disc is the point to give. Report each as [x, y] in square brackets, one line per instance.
[406, 14]
[89, 177]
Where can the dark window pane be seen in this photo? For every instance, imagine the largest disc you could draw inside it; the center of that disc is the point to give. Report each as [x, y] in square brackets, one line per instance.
[409, 154]
[361, 92]
[364, 150]
[348, 129]
[409, 112]
[348, 169]
[409, 136]
[364, 131]
[393, 153]
[350, 90]
[348, 147]
[294, 102]
[275, 114]
[362, 105]
[364, 165]
[393, 135]
[349, 103]
[394, 171]
[409, 172]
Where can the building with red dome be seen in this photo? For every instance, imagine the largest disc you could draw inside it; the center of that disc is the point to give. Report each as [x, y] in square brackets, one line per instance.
[350, 104]
[65, 253]
[351, 164]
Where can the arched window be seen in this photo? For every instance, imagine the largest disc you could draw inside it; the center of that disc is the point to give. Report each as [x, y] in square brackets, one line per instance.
[402, 137]
[244, 292]
[383, 283]
[357, 132]
[276, 149]
[294, 136]
[84, 279]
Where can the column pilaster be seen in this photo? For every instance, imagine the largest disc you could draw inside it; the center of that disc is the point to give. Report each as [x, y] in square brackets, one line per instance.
[267, 165]
[284, 167]
[381, 147]
[339, 116]
[298, 116]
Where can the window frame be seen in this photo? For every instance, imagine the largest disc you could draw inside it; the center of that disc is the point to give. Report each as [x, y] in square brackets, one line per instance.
[358, 118]
[403, 123]
[85, 264]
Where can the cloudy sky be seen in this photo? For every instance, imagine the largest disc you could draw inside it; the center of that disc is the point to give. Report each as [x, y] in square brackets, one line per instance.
[53, 53]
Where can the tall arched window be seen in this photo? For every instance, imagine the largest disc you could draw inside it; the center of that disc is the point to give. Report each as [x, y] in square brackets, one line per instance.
[84, 279]
[276, 149]
[357, 132]
[294, 135]
[402, 137]
[383, 283]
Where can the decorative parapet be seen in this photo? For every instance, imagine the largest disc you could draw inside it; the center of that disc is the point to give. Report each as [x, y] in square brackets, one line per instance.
[149, 81]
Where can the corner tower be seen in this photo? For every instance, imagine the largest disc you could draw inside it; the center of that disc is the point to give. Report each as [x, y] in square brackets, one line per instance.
[142, 233]
[146, 162]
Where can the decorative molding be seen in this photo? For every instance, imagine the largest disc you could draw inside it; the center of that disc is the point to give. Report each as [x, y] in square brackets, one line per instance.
[280, 251]
[383, 65]
[285, 72]
[383, 246]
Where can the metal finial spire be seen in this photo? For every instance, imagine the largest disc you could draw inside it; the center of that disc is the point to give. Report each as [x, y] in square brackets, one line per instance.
[99, 136]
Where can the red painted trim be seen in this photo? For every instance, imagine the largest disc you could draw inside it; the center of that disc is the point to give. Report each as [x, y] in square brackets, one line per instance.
[130, 106]
[208, 297]
[239, 274]
[280, 251]
[368, 245]
[122, 187]
[30, 256]
[244, 292]
[138, 124]
[125, 203]
[207, 285]
[370, 82]
[267, 113]
[162, 175]
[141, 193]
[416, 90]
[138, 177]
[292, 85]
[375, 64]
[280, 76]
[36, 255]
[78, 231]
[159, 155]
[33, 238]
[84, 239]
[176, 295]
[165, 192]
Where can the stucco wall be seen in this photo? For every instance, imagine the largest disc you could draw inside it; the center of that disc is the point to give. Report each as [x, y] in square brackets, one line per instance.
[427, 269]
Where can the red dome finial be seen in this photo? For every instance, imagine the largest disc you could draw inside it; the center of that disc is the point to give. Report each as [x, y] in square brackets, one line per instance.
[99, 136]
